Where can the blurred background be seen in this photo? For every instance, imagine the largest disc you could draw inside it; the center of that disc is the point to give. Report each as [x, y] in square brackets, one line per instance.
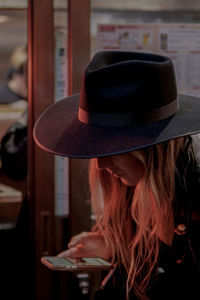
[42, 207]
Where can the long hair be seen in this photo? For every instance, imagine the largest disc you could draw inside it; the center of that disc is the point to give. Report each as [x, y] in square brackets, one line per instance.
[131, 218]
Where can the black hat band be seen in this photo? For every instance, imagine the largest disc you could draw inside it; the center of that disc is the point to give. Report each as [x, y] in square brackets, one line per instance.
[125, 119]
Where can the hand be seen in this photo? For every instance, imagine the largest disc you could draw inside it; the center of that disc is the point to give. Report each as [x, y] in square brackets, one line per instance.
[88, 244]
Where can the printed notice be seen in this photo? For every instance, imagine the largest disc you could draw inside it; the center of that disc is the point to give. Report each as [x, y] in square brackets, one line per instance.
[124, 37]
[179, 39]
[180, 42]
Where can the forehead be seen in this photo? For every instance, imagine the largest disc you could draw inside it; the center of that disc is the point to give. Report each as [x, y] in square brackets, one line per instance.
[124, 157]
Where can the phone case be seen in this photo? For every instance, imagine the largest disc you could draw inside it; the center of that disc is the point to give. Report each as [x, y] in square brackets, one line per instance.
[75, 264]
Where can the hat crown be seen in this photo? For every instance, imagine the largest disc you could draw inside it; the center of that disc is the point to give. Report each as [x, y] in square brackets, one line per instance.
[127, 82]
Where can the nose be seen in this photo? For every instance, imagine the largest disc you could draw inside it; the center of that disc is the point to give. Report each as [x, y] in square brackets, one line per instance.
[103, 162]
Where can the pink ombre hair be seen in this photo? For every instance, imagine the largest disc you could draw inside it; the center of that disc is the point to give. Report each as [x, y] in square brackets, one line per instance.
[130, 218]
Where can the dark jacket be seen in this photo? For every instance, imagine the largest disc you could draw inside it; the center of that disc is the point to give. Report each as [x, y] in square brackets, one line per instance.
[7, 96]
[13, 149]
[178, 269]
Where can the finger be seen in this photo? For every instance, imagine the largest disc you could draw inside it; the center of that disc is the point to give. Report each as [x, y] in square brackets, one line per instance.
[78, 239]
[73, 252]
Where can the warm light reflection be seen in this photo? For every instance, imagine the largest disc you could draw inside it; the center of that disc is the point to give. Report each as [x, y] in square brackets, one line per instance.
[4, 19]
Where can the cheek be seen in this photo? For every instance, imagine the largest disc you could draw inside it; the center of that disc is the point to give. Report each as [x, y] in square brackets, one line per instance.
[139, 170]
[135, 174]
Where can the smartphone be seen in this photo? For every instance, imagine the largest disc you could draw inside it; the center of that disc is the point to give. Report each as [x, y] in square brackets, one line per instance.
[75, 264]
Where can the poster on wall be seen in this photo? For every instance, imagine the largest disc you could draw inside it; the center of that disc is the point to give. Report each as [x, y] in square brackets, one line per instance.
[180, 42]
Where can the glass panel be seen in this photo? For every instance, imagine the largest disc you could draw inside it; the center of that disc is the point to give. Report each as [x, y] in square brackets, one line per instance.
[13, 138]
[61, 91]
[13, 99]
[146, 5]
[60, 33]
[13, 4]
[166, 27]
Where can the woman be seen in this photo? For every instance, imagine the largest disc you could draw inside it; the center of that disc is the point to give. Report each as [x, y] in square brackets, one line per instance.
[143, 175]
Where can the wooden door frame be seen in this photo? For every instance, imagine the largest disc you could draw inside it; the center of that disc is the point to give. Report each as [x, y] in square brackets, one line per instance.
[40, 96]
[78, 57]
[40, 163]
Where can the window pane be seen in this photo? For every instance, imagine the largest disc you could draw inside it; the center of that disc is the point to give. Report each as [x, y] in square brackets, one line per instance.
[170, 28]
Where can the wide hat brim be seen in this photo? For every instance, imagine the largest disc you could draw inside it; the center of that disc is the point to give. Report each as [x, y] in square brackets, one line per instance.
[59, 131]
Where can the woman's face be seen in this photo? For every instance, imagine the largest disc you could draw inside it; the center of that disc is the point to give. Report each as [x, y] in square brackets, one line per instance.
[125, 166]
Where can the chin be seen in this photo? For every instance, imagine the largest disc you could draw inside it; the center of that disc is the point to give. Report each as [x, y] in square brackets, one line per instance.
[126, 182]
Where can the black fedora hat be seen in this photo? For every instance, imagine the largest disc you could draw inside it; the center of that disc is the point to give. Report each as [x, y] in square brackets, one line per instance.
[128, 101]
